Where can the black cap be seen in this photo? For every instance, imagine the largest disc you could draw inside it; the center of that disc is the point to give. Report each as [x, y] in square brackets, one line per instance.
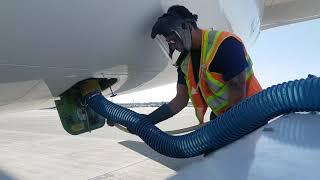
[175, 17]
[183, 12]
[165, 24]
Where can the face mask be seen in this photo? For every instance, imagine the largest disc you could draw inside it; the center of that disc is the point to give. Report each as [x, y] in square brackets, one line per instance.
[184, 34]
[176, 55]
[177, 30]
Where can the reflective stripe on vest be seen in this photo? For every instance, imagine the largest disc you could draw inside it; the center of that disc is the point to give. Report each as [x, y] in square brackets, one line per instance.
[214, 92]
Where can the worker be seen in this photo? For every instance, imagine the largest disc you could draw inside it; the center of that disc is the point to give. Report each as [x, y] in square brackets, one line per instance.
[214, 69]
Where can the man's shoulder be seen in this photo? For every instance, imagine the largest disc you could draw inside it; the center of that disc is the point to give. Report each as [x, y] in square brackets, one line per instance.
[218, 31]
[225, 33]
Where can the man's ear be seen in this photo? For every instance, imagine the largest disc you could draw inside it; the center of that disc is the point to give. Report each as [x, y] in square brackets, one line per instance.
[184, 25]
[192, 29]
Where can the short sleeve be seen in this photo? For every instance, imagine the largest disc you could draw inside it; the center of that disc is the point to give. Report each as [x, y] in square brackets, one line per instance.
[230, 59]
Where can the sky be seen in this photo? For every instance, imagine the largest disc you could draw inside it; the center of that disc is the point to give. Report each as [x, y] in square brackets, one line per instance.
[279, 54]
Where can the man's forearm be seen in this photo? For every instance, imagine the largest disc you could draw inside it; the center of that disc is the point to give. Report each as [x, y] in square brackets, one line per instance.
[237, 89]
[160, 114]
[236, 95]
[181, 100]
[173, 107]
[177, 104]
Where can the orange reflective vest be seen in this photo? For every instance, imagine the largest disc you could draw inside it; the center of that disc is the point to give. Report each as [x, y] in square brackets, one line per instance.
[214, 91]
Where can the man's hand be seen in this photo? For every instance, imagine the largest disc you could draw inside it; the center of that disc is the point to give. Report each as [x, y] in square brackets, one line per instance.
[237, 88]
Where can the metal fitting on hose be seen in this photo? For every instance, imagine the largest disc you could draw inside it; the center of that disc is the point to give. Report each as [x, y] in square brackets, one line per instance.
[89, 86]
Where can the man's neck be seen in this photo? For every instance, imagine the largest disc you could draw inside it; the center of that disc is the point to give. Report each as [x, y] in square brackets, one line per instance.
[196, 39]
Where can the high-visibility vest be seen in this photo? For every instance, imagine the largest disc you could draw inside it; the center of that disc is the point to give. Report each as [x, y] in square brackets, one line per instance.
[214, 91]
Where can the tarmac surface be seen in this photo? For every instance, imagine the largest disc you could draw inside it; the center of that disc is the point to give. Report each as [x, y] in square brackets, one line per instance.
[35, 146]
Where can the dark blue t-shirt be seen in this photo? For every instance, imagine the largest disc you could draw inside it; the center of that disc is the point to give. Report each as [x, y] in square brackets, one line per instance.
[229, 61]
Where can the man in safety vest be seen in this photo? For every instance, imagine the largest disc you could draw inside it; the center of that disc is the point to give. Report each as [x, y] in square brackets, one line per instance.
[213, 67]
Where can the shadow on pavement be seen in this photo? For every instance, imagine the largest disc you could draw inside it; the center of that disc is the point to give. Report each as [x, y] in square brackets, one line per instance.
[145, 150]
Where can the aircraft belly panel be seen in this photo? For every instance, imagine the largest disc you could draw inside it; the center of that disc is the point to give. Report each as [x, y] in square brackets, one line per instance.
[286, 148]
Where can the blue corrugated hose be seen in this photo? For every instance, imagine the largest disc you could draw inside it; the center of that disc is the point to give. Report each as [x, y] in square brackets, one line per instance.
[250, 114]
